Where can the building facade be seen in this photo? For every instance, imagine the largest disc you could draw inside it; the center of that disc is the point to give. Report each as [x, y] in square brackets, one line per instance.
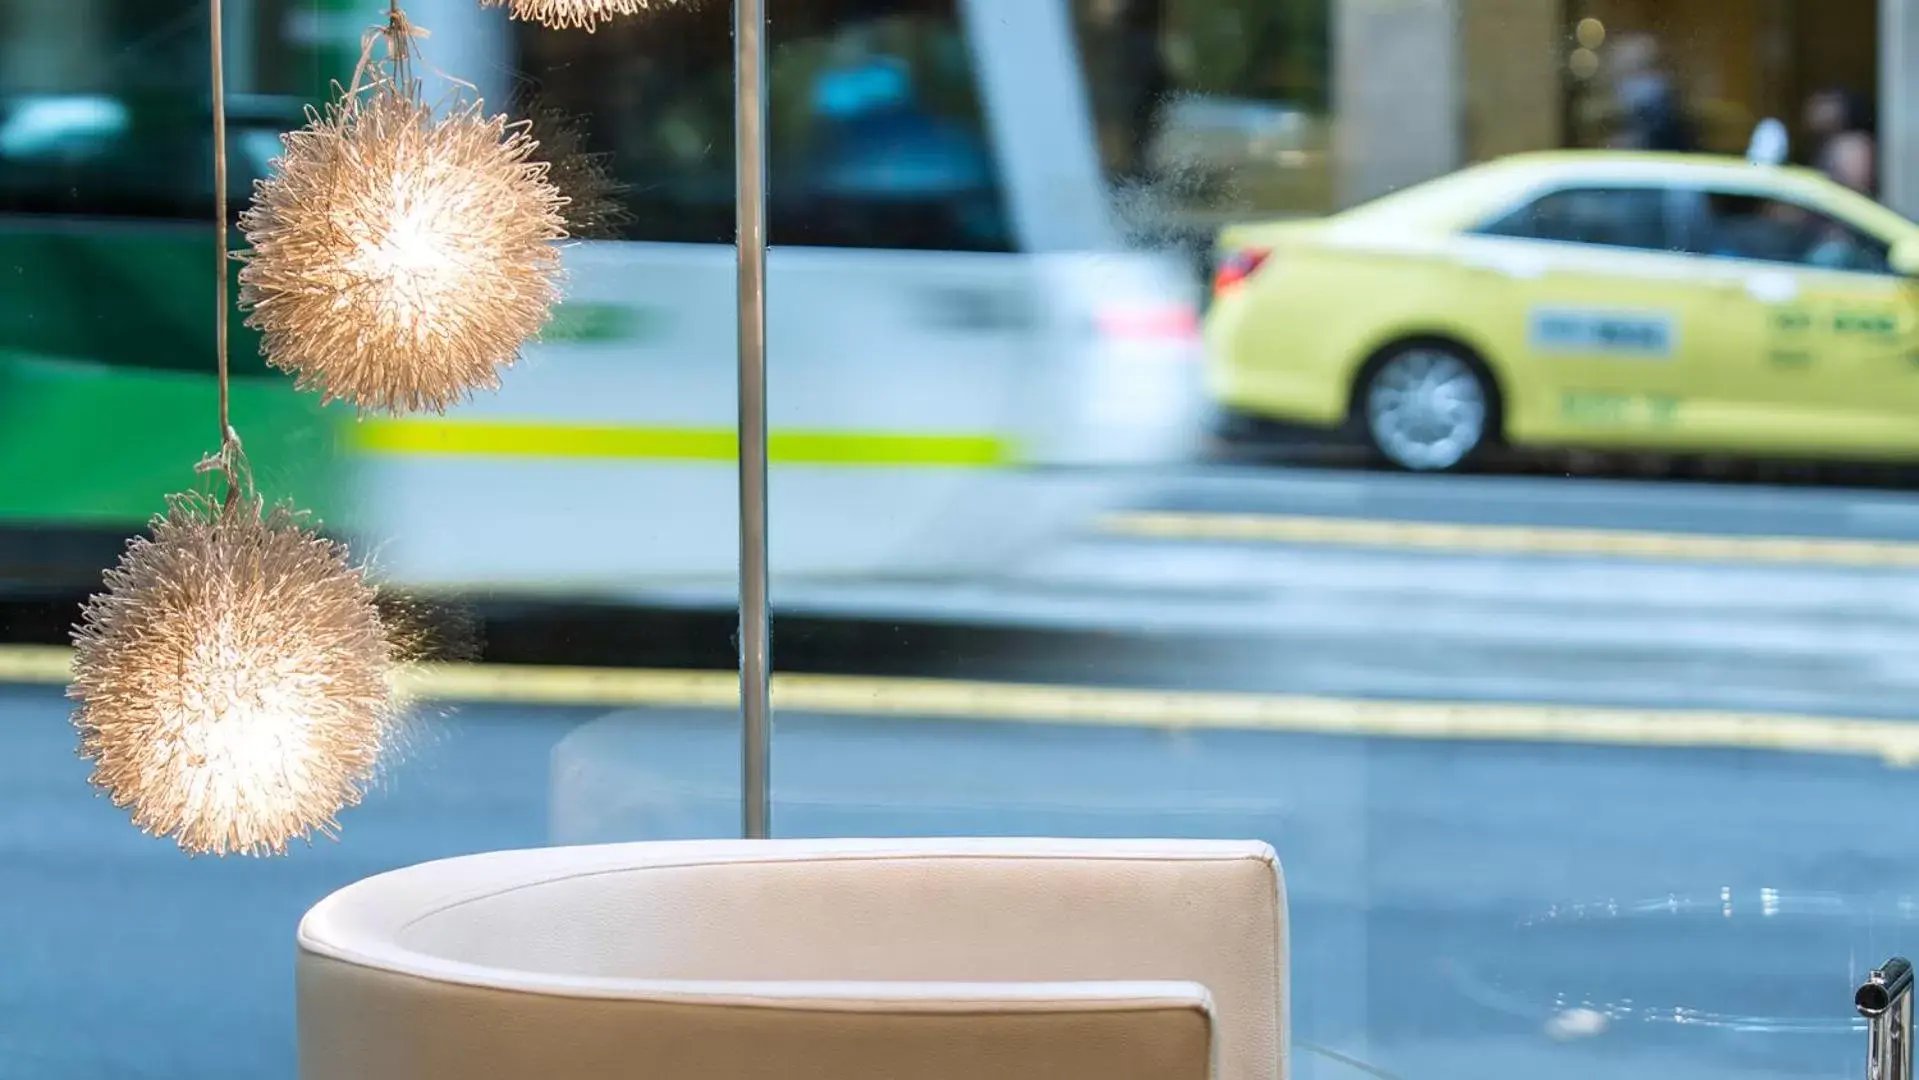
[1421, 87]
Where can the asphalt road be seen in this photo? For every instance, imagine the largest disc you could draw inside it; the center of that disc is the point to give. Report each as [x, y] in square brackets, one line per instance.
[1474, 624]
[1456, 904]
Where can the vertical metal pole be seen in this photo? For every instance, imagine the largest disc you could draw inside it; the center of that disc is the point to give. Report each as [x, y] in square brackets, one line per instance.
[1898, 132]
[756, 657]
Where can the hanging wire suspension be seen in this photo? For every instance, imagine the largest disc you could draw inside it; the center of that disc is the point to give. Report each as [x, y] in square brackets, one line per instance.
[229, 441]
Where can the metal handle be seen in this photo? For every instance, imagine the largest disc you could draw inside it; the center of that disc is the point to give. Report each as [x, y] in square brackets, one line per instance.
[1885, 1000]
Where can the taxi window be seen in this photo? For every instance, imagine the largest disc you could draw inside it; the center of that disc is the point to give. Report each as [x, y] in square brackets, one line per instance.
[1628, 217]
[1739, 225]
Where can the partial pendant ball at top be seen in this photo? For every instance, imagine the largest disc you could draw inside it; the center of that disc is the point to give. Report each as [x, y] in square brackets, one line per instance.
[398, 259]
[233, 680]
[575, 14]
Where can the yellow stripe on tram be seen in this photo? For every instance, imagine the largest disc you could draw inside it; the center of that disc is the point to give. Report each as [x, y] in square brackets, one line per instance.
[1511, 539]
[520, 439]
[1892, 741]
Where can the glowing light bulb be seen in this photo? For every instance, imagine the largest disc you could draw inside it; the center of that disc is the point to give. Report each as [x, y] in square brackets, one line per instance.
[233, 680]
[398, 259]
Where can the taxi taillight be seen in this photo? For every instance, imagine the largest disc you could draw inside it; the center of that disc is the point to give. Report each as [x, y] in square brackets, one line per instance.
[1236, 267]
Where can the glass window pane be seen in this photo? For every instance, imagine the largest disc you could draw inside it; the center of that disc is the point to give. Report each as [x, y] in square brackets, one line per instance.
[1466, 444]
[1508, 540]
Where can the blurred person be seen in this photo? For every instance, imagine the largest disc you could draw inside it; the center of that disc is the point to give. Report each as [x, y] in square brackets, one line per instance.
[1652, 116]
[1844, 145]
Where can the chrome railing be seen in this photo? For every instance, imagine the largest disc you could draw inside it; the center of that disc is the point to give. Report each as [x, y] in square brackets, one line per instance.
[1885, 1000]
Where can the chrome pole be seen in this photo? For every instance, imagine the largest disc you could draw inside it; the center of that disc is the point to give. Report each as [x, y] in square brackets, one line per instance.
[756, 654]
[1885, 1000]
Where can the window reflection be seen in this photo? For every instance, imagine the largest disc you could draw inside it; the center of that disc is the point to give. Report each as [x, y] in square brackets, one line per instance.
[1207, 109]
[876, 134]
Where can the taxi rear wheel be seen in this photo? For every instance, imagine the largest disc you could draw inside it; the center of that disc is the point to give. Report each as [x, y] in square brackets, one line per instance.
[1427, 406]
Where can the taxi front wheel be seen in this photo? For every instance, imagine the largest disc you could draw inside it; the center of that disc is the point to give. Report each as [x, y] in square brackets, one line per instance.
[1427, 406]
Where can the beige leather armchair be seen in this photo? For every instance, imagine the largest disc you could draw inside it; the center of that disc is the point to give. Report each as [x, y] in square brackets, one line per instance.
[805, 960]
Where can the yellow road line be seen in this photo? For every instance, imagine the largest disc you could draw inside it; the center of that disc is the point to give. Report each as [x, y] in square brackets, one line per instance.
[1893, 741]
[37, 664]
[515, 439]
[1512, 539]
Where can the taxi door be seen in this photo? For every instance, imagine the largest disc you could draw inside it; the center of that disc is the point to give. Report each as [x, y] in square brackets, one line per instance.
[1821, 357]
[1600, 312]
[1838, 364]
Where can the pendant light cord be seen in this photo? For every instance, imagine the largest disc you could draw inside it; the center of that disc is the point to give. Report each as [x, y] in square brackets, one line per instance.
[397, 35]
[399, 46]
[229, 439]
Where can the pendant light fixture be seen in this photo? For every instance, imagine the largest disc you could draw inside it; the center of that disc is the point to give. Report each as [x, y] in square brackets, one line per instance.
[234, 678]
[400, 256]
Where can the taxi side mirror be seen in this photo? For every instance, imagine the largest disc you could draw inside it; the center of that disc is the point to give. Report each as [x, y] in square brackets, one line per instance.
[1903, 259]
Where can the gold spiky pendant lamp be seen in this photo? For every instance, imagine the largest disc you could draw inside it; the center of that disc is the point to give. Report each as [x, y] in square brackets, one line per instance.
[233, 679]
[399, 256]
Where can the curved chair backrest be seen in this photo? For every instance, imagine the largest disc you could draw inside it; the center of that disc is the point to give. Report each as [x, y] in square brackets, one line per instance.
[744, 960]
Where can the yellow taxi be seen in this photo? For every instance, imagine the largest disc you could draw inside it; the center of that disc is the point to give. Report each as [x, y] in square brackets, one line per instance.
[1597, 299]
